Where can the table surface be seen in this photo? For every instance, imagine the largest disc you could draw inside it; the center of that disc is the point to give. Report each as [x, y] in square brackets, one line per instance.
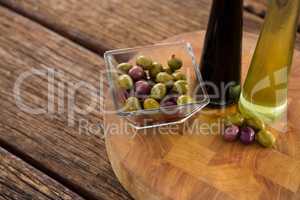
[59, 152]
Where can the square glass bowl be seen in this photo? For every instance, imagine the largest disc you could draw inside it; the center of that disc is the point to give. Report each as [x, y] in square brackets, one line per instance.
[160, 53]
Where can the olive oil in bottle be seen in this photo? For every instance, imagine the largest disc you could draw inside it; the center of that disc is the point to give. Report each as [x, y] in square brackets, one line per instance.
[265, 89]
[221, 58]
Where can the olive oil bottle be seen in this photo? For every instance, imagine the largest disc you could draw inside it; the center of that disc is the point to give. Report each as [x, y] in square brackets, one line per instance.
[265, 89]
[221, 58]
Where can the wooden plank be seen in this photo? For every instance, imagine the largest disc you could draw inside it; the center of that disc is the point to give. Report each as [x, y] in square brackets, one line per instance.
[257, 7]
[107, 24]
[18, 180]
[50, 141]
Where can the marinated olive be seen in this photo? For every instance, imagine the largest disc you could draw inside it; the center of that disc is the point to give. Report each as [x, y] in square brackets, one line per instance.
[151, 103]
[184, 99]
[181, 87]
[235, 92]
[164, 77]
[125, 82]
[137, 73]
[236, 119]
[169, 101]
[231, 133]
[155, 69]
[175, 63]
[179, 76]
[125, 67]
[256, 123]
[142, 88]
[127, 93]
[158, 91]
[265, 138]
[132, 104]
[144, 62]
[247, 135]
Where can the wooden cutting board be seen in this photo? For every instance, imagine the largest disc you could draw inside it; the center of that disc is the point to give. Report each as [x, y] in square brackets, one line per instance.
[184, 162]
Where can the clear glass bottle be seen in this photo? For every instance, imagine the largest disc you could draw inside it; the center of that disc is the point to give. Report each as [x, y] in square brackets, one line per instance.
[265, 90]
[221, 57]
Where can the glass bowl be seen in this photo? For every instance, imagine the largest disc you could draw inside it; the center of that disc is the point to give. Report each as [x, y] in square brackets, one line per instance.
[160, 53]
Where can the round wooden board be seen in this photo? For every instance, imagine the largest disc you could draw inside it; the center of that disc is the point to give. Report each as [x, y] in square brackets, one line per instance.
[183, 163]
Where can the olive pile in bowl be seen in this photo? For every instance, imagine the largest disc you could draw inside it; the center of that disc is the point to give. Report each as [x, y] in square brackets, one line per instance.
[155, 85]
[148, 85]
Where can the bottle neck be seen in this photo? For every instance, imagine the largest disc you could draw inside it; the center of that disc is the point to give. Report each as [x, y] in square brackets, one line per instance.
[226, 16]
[283, 14]
[227, 7]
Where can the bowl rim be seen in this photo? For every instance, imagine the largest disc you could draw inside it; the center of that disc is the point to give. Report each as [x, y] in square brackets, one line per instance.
[188, 47]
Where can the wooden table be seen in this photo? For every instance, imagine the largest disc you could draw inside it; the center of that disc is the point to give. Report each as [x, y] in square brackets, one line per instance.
[49, 155]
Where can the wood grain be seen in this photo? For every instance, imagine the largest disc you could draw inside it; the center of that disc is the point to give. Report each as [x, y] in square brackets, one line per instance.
[192, 163]
[77, 159]
[19, 181]
[110, 24]
[256, 7]
[259, 8]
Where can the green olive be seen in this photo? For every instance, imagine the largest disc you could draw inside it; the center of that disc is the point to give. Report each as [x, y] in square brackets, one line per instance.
[156, 68]
[181, 87]
[158, 91]
[164, 77]
[236, 119]
[184, 99]
[256, 123]
[125, 67]
[125, 82]
[235, 92]
[175, 63]
[144, 62]
[150, 104]
[179, 76]
[265, 138]
[132, 104]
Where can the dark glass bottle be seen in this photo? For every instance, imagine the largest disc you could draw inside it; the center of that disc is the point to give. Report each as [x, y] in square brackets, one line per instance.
[221, 58]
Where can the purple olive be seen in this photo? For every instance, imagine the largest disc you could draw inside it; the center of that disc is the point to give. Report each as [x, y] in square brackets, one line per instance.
[126, 94]
[169, 101]
[142, 88]
[139, 83]
[172, 98]
[247, 135]
[231, 133]
[137, 73]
